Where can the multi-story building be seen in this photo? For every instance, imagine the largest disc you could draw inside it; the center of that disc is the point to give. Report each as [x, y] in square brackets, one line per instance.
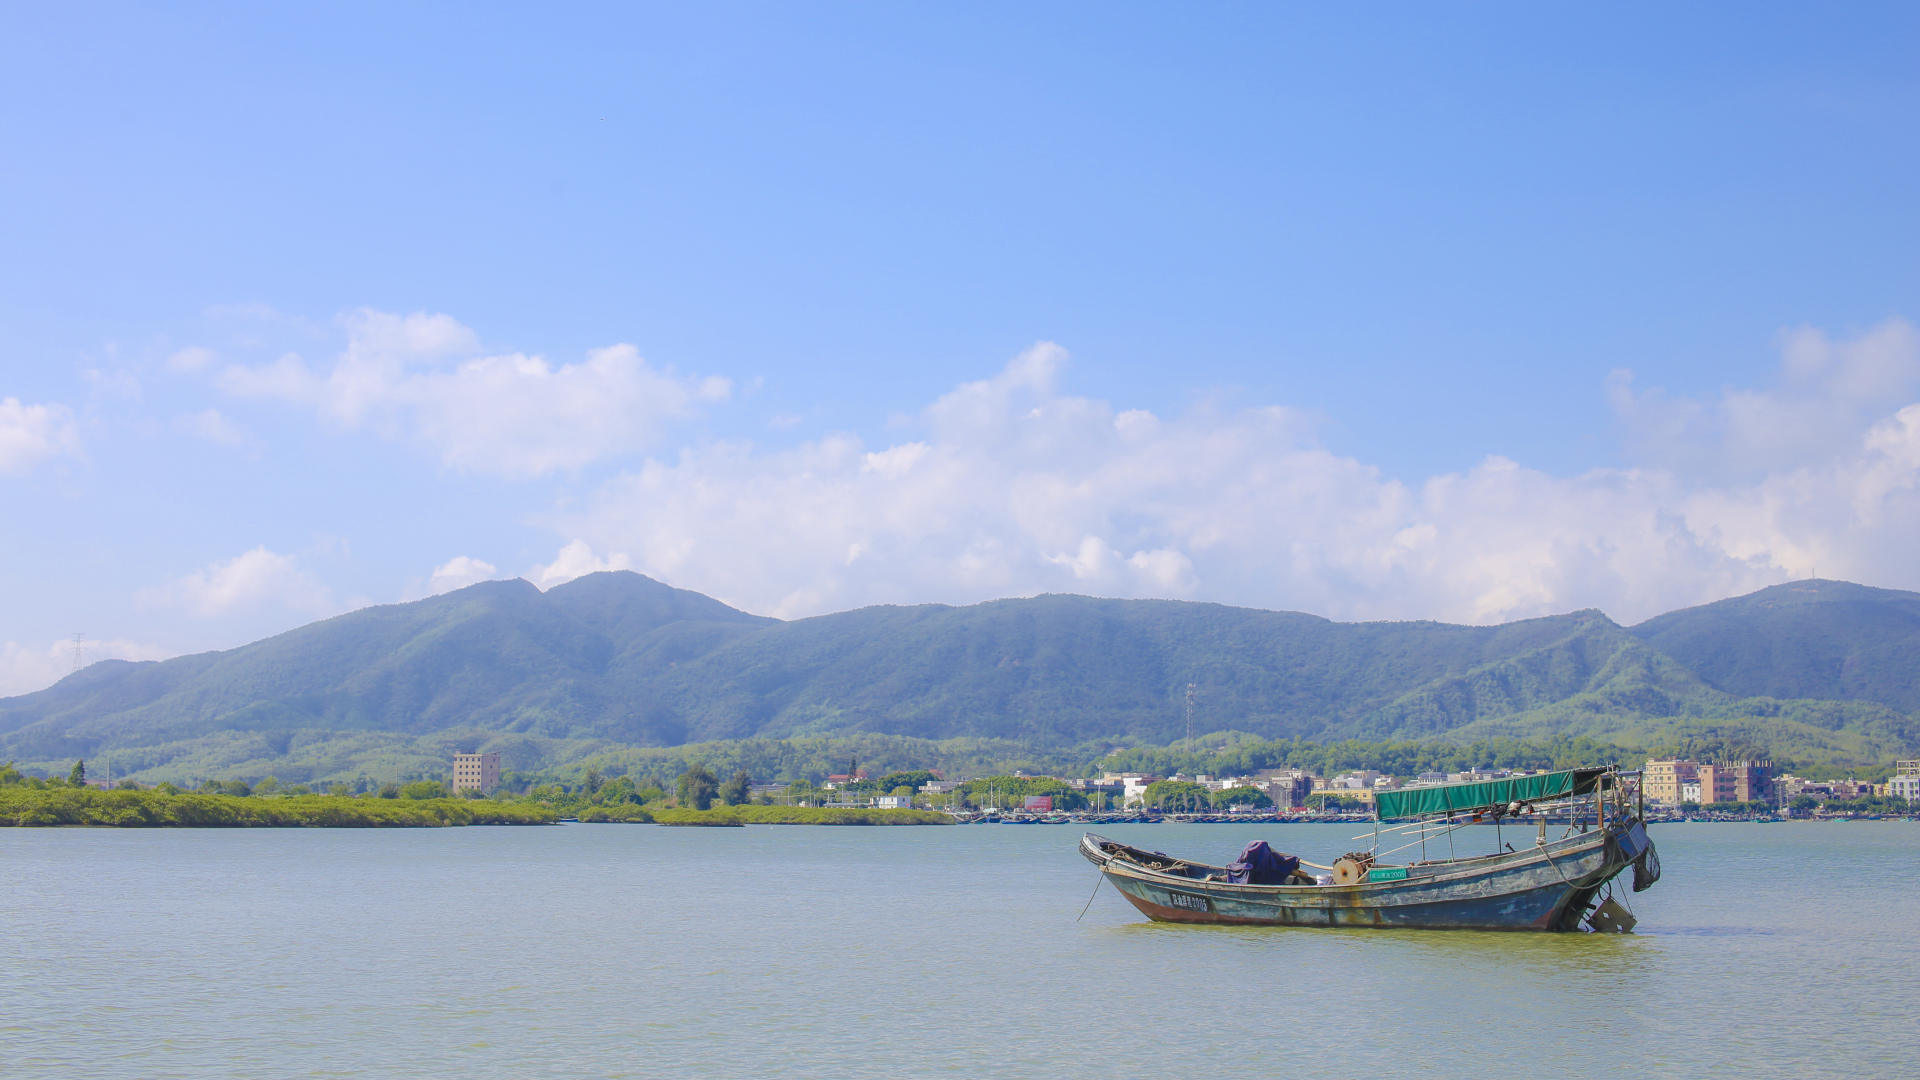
[1133, 787]
[1752, 781]
[1748, 781]
[1287, 788]
[1905, 781]
[1716, 784]
[1663, 780]
[476, 772]
[1673, 781]
[1788, 787]
[1358, 780]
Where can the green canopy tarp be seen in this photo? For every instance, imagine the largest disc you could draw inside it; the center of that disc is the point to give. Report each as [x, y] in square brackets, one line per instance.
[1485, 794]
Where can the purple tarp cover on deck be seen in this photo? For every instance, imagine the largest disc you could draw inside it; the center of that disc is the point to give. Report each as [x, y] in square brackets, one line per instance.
[1261, 865]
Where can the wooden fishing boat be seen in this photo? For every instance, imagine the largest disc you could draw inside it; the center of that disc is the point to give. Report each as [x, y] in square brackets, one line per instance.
[1548, 885]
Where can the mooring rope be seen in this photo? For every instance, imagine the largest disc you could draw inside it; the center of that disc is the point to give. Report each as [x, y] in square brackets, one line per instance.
[1099, 877]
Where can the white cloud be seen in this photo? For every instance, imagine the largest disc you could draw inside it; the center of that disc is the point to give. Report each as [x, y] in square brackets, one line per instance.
[30, 434]
[421, 335]
[1011, 487]
[190, 360]
[25, 669]
[254, 581]
[1826, 393]
[287, 377]
[510, 415]
[458, 573]
[520, 416]
[575, 560]
[117, 383]
[211, 426]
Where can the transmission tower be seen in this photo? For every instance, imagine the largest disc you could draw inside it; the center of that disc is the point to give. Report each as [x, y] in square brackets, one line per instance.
[79, 651]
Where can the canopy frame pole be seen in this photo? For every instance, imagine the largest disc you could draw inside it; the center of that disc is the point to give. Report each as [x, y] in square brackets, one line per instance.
[1422, 841]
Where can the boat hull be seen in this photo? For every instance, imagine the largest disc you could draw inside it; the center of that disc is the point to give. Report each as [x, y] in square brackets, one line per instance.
[1548, 887]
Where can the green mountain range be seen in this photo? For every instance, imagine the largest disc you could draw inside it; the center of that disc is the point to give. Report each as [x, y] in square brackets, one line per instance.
[614, 661]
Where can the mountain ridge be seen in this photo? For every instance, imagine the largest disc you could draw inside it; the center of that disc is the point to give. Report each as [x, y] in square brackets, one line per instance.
[618, 659]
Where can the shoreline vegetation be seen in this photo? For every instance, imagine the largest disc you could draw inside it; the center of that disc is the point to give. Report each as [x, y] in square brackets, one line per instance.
[701, 800]
[25, 806]
[762, 815]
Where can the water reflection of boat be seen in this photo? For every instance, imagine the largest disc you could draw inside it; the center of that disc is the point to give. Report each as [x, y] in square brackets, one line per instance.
[1548, 885]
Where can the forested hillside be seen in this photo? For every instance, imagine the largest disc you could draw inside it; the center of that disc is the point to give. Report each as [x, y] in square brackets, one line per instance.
[1807, 639]
[616, 660]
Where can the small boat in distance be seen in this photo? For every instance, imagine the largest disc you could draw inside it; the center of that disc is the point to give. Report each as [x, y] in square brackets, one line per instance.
[1549, 885]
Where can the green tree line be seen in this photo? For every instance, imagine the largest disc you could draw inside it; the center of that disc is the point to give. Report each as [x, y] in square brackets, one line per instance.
[25, 805]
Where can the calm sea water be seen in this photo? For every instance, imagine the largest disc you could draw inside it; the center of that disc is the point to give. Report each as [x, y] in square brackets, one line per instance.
[609, 950]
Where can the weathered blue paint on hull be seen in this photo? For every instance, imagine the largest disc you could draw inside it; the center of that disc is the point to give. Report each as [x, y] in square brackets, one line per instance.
[1545, 888]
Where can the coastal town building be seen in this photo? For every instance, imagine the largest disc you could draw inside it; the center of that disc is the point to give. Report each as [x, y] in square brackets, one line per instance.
[1103, 793]
[476, 772]
[1716, 785]
[1753, 781]
[1361, 780]
[1851, 788]
[1133, 787]
[1788, 787]
[1287, 788]
[1673, 781]
[1663, 779]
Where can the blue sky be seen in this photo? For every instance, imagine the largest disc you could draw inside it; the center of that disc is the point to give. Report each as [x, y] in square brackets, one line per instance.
[1468, 313]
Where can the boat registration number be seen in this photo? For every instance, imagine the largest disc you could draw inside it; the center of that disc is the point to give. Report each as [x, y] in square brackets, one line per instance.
[1390, 873]
[1191, 903]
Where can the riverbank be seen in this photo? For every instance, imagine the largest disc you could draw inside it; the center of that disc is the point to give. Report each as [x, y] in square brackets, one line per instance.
[20, 806]
[23, 806]
[763, 815]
